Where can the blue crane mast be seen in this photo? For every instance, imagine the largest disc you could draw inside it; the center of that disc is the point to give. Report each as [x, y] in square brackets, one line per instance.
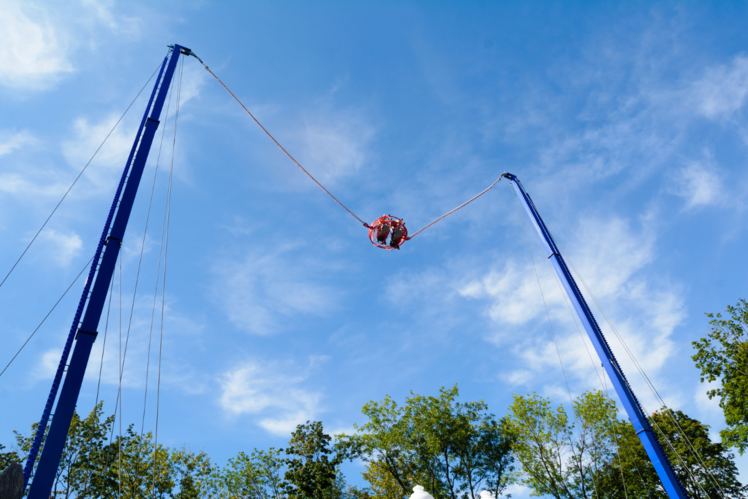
[630, 403]
[83, 333]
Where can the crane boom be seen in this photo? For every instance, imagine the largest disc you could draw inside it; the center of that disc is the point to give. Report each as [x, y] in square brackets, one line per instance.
[84, 332]
[643, 429]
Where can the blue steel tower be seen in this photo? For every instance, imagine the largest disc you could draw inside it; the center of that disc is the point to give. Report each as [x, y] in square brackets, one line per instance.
[83, 332]
[630, 403]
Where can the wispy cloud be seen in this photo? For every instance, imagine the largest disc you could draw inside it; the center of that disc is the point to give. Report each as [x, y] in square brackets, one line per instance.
[11, 140]
[261, 288]
[272, 391]
[61, 247]
[106, 167]
[101, 12]
[33, 54]
[611, 255]
[194, 78]
[699, 184]
[723, 89]
[334, 143]
[40, 39]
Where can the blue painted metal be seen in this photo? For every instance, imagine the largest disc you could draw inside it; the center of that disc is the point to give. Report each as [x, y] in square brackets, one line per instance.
[100, 276]
[641, 424]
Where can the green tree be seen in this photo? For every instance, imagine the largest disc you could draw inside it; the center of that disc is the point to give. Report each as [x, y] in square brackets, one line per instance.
[381, 481]
[192, 473]
[84, 449]
[93, 467]
[138, 467]
[454, 449]
[7, 458]
[710, 471]
[254, 476]
[600, 456]
[81, 454]
[311, 465]
[723, 356]
[543, 443]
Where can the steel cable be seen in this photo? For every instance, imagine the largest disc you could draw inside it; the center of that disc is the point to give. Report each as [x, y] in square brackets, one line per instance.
[158, 269]
[46, 316]
[163, 285]
[641, 371]
[76, 179]
[461, 206]
[284, 149]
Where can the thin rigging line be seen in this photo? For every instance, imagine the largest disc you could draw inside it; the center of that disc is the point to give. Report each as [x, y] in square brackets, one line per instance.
[163, 286]
[119, 390]
[128, 335]
[140, 261]
[45, 317]
[553, 334]
[600, 377]
[98, 384]
[283, 149]
[547, 314]
[158, 268]
[103, 346]
[594, 367]
[672, 448]
[641, 370]
[76, 179]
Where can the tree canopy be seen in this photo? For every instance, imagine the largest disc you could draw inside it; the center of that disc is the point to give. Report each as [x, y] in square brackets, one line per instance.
[454, 449]
[593, 454]
[722, 356]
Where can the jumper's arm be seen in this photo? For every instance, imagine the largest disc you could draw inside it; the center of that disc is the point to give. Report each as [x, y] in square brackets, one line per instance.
[641, 424]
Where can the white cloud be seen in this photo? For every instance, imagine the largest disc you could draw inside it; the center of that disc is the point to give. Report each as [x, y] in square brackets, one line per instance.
[513, 292]
[11, 141]
[334, 144]
[32, 54]
[705, 405]
[40, 39]
[49, 362]
[194, 78]
[723, 89]
[62, 248]
[107, 166]
[101, 12]
[271, 391]
[699, 184]
[518, 491]
[612, 257]
[259, 289]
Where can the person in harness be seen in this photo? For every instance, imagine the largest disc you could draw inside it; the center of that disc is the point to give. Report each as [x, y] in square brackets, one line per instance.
[397, 237]
[382, 232]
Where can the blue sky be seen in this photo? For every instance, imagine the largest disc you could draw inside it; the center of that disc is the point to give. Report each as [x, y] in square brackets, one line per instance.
[625, 122]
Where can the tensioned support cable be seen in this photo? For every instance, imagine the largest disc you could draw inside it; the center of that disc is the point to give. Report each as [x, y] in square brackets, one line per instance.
[75, 181]
[314, 179]
[281, 147]
[103, 241]
[46, 316]
[461, 206]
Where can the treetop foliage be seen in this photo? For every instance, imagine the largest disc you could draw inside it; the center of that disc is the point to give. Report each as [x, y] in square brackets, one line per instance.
[723, 356]
[454, 449]
[596, 455]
